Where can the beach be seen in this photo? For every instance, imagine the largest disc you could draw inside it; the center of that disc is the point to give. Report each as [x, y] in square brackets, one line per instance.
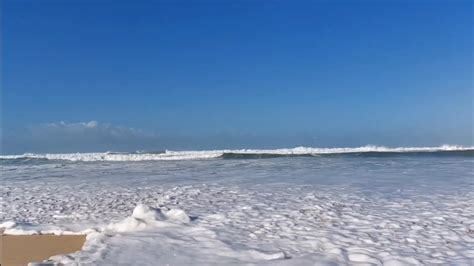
[390, 207]
[282, 133]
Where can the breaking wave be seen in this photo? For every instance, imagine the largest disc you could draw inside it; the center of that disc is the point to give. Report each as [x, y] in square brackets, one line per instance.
[368, 151]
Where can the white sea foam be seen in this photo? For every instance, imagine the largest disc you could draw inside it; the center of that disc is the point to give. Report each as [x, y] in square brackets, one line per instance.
[343, 210]
[287, 226]
[209, 154]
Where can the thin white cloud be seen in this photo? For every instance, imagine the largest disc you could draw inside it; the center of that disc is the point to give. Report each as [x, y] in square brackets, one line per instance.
[79, 137]
[89, 129]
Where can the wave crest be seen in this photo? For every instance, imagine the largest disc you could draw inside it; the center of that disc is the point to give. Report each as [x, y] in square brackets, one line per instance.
[239, 154]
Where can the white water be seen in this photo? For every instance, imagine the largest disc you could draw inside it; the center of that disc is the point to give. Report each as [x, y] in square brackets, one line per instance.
[281, 211]
[189, 155]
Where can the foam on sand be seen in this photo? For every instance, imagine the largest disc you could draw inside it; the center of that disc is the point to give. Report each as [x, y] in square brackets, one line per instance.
[259, 226]
[147, 229]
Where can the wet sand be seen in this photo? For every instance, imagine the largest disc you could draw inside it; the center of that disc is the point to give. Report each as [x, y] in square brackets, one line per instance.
[22, 249]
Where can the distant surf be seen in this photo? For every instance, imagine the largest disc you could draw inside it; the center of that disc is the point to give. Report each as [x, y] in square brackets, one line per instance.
[368, 151]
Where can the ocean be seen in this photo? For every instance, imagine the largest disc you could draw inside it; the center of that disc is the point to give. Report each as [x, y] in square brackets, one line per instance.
[301, 206]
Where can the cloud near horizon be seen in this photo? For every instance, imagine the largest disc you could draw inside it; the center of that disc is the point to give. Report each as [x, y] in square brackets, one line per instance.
[77, 137]
[91, 129]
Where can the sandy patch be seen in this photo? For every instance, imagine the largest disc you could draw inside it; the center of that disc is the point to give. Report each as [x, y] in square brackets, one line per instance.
[23, 249]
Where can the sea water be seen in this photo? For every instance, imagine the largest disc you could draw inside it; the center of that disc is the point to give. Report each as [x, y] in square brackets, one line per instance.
[302, 206]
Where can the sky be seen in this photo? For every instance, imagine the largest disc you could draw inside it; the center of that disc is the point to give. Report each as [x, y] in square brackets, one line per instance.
[153, 75]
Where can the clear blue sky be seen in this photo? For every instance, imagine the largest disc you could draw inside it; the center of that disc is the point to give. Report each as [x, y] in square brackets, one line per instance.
[214, 74]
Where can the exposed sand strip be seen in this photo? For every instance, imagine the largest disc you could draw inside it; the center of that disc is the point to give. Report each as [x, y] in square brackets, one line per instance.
[22, 249]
